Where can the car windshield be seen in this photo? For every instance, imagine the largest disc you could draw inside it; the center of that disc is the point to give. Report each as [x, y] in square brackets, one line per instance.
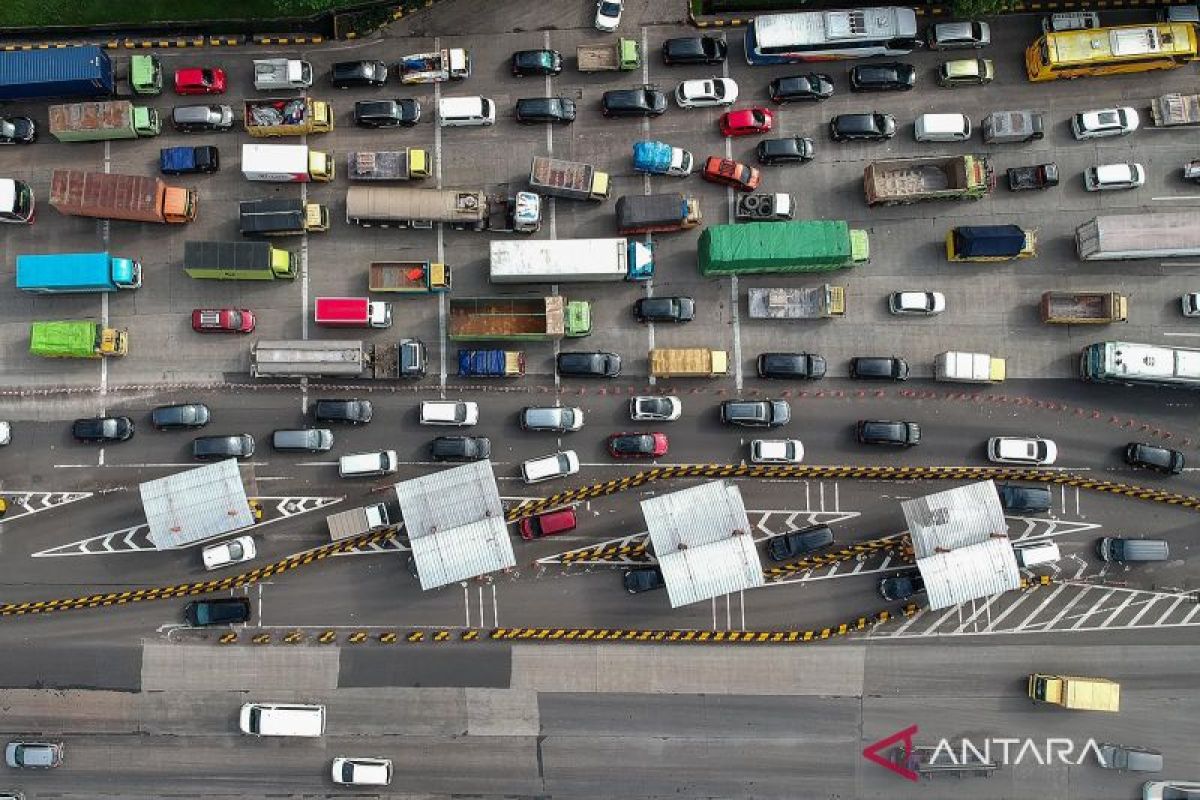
[610, 8]
[718, 89]
[633, 444]
[235, 319]
[236, 551]
[656, 406]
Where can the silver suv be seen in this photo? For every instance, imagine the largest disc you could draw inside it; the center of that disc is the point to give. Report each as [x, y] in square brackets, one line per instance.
[551, 418]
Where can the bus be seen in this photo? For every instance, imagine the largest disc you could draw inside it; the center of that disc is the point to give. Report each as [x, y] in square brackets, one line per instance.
[831, 35]
[1140, 365]
[1110, 51]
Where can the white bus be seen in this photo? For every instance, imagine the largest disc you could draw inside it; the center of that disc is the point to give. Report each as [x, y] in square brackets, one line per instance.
[830, 35]
[1140, 365]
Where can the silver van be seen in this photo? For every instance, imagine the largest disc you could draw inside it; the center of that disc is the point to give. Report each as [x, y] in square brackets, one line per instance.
[460, 112]
[1005, 127]
[282, 719]
[309, 440]
[1124, 551]
[942, 128]
[194, 119]
[558, 419]
[556, 465]
[368, 465]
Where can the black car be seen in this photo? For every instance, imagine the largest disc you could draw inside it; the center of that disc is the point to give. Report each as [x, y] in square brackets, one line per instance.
[354, 411]
[902, 587]
[102, 429]
[883, 368]
[892, 76]
[862, 127]
[211, 448]
[878, 431]
[589, 365]
[460, 448]
[536, 62]
[1023, 499]
[694, 50]
[387, 113]
[545, 109]
[787, 366]
[664, 309]
[1152, 456]
[223, 611]
[358, 74]
[756, 413]
[643, 579]
[644, 102]
[17, 130]
[813, 86]
[792, 150]
[794, 544]
[178, 417]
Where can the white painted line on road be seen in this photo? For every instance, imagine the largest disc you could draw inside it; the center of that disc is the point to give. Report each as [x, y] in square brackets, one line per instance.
[996, 622]
[1178, 197]
[1172, 333]
[304, 261]
[1116, 612]
[648, 285]
[441, 243]
[1179, 263]
[155, 466]
[734, 305]
[467, 603]
[1095, 608]
[1057, 591]
[1149, 605]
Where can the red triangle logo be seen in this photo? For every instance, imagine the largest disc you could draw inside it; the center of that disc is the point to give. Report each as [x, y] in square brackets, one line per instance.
[872, 752]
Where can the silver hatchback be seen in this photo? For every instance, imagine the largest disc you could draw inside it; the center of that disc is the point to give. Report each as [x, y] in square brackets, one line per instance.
[33, 755]
[958, 35]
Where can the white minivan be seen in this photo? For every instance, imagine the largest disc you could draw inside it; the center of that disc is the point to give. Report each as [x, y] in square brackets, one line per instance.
[449, 412]
[556, 465]
[362, 771]
[461, 112]
[368, 465]
[282, 719]
[942, 128]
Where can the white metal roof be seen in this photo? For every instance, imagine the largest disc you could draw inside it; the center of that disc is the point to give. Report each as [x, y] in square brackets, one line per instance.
[967, 573]
[455, 523]
[196, 505]
[703, 542]
[954, 518]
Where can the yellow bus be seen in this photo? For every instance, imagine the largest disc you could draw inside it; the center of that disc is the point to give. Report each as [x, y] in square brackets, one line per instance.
[1109, 51]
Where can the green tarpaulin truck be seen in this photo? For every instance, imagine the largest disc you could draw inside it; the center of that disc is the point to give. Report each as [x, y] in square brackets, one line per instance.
[812, 245]
[76, 339]
[238, 261]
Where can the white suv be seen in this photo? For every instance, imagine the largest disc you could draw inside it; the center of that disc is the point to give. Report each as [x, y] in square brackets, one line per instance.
[1104, 122]
[1106, 177]
[776, 451]
[449, 412]
[707, 92]
[1021, 450]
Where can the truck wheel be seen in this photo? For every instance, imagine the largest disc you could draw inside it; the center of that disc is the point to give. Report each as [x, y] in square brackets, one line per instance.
[752, 202]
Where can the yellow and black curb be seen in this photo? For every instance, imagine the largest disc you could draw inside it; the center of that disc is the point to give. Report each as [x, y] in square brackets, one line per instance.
[289, 39]
[897, 543]
[616, 552]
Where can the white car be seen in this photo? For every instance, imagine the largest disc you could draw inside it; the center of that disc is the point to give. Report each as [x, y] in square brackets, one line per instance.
[917, 303]
[655, 409]
[5, 433]
[225, 554]
[362, 771]
[1021, 450]
[1170, 790]
[1190, 303]
[449, 412]
[706, 92]
[776, 451]
[1107, 177]
[1104, 122]
[608, 14]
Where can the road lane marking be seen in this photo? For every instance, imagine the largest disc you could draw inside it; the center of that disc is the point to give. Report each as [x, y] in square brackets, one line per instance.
[441, 244]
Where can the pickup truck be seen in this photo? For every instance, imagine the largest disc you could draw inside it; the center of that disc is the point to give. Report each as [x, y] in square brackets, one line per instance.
[282, 73]
[660, 158]
[1084, 308]
[1036, 176]
[387, 165]
[491, 363]
[656, 213]
[623, 54]
[763, 207]
[409, 277]
[810, 302]
[688, 362]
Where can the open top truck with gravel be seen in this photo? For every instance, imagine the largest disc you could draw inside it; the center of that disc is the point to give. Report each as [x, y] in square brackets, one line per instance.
[899, 181]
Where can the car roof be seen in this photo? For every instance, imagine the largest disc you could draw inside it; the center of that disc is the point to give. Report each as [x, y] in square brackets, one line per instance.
[857, 122]
[954, 30]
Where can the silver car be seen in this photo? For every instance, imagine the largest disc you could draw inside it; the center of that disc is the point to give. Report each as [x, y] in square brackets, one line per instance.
[1131, 759]
[655, 409]
[33, 755]
[958, 35]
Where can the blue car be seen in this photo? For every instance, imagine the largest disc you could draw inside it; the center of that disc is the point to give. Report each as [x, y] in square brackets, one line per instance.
[189, 160]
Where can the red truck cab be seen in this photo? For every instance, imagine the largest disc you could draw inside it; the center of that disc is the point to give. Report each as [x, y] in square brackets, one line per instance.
[199, 80]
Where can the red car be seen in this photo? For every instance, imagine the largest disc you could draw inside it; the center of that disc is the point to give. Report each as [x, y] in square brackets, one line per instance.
[199, 80]
[547, 524]
[728, 172]
[637, 445]
[747, 121]
[222, 320]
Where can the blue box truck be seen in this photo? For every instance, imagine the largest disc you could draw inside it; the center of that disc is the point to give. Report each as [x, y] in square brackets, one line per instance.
[76, 273]
[84, 71]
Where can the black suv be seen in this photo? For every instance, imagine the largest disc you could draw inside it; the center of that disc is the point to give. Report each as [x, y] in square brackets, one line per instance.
[902, 587]
[460, 448]
[694, 50]
[387, 113]
[211, 448]
[184, 415]
[756, 413]
[643, 102]
[814, 86]
[890, 76]
[536, 62]
[358, 74]
[1024, 499]
[589, 365]
[664, 309]
[794, 544]
[1151, 456]
[102, 429]
[884, 368]
[792, 150]
[643, 579]
[223, 611]
[545, 109]
[17, 130]
[878, 431]
[862, 127]
[354, 411]
[787, 366]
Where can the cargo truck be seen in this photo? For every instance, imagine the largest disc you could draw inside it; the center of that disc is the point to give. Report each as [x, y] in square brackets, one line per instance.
[101, 120]
[83, 71]
[17, 204]
[282, 73]
[660, 158]
[238, 261]
[77, 273]
[338, 358]
[570, 261]
[957, 367]
[452, 64]
[990, 243]
[1175, 109]
[1088, 694]
[282, 217]
[657, 213]
[688, 362]
[528, 319]
[357, 521]
[126, 197]
[811, 302]
[797, 246]
[623, 55]
[352, 312]
[463, 209]
[764, 207]
[412, 277]
[910, 180]
[491, 363]
[1084, 308]
[286, 163]
[287, 116]
[570, 179]
[1165, 234]
[76, 339]
[387, 165]
[186, 160]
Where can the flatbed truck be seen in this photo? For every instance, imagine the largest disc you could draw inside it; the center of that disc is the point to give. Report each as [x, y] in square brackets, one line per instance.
[238, 261]
[570, 260]
[411, 163]
[449, 64]
[657, 213]
[570, 179]
[338, 358]
[899, 181]
[357, 521]
[764, 206]
[273, 74]
[795, 246]
[282, 217]
[688, 362]
[660, 158]
[1163, 234]
[1083, 308]
[529, 319]
[126, 197]
[408, 277]
[103, 120]
[77, 273]
[77, 339]
[811, 302]
[1175, 109]
[286, 116]
[957, 367]
[990, 243]
[623, 55]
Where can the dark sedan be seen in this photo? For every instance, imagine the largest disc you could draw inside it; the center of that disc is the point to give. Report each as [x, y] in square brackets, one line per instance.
[387, 113]
[1024, 499]
[223, 611]
[536, 62]
[532, 110]
[792, 150]
[664, 309]
[862, 127]
[460, 448]
[797, 543]
[789, 366]
[643, 102]
[694, 50]
[902, 587]
[1152, 456]
[180, 417]
[643, 579]
[589, 365]
[793, 88]
[637, 445]
[892, 76]
[102, 429]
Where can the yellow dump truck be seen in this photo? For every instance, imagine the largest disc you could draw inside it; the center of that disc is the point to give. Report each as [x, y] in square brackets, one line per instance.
[1069, 691]
[688, 362]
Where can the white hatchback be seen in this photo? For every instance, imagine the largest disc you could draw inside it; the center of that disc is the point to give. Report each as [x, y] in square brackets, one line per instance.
[362, 771]
[917, 303]
[655, 409]
[706, 92]
[226, 554]
[1021, 450]
[608, 14]
[1104, 122]
[776, 451]
[1108, 177]
[1190, 304]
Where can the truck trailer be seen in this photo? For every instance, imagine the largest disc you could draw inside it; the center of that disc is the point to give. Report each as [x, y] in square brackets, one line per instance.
[287, 116]
[957, 367]
[656, 213]
[450, 64]
[527, 319]
[101, 120]
[990, 243]
[338, 358]
[688, 362]
[286, 163]
[282, 73]
[1175, 110]
[570, 260]
[811, 302]
[410, 277]
[622, 54]
[464, 209]
[1083, 308]
[387, 165]
[352, 312]
[238, 261]
[82, 71]
[1164, 234]
[1068, 691]
[282, 217]
[570, 179]
[77, 273]
[660, 158]
[127, 197]
[797, 246]
[357, 521]
[491, 363]
[76, 339]
[900, 181]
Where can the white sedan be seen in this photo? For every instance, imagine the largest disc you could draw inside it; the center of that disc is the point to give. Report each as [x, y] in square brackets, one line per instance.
[917, 303]
[776, 451]
[655, 409]
[1190, 303]
[225, 554]
[608, 14]
[706, 92]
[1021, 450]
[1104, 122]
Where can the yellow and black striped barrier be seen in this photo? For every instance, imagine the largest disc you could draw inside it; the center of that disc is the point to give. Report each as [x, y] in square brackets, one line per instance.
[286, 39]
[615, 552]
[899, 543]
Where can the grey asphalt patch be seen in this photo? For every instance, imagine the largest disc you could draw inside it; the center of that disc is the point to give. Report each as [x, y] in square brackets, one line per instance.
[93, 666]
[486, 666]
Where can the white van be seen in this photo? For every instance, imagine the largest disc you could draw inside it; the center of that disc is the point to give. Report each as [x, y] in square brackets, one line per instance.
[461, 112]
[557, 465]
[1041, 553]
[281, 719]
[449, 412]
[943, 128]
[368, 465]
[362, 771]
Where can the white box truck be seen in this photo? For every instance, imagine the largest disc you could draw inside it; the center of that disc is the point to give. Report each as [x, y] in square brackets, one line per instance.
[357, 521]
[570, 260]
[285, 163]
[957, 367]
